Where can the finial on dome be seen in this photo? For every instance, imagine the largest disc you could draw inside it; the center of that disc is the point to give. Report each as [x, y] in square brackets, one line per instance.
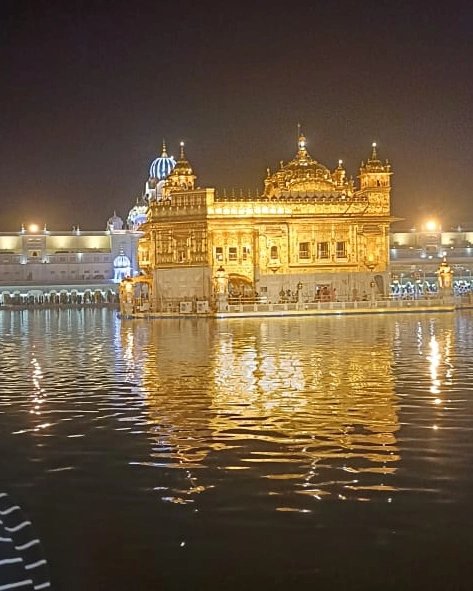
[374, 155]
[301, 143]
[340, 163]
[164, 153]
[182, 155]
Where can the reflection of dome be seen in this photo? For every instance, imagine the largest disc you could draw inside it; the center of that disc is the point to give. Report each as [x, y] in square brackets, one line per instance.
[161, 167]
[121, 261]
[305, 176]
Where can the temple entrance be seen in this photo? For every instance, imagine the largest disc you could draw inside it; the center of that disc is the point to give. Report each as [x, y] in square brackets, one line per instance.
[240, 288]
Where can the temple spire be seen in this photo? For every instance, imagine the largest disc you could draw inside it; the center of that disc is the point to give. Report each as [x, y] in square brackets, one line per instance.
[301, 143]
[374, 155]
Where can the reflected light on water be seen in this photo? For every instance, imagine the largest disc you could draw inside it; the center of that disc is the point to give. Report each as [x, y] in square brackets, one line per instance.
[290, 411]
[297, 416]
[434, 359]
[221, 442]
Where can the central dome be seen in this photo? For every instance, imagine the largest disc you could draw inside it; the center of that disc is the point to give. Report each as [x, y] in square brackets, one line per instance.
[162, 167]
[305, 176]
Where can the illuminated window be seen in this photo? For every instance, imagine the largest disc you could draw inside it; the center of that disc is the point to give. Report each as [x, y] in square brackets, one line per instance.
[322, 250]
[274, 252]
[341, 250]
[304, 250]
[232, 253]
[246, 252]
[219, 253]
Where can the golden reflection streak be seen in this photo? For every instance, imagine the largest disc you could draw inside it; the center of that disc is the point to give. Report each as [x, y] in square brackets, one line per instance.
[322, 408]
[440, 363]
[38, 396]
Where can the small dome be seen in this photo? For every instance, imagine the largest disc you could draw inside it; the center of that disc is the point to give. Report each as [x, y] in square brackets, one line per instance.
[121, 262]
[162, 167]
[115, 222]
[137, 215]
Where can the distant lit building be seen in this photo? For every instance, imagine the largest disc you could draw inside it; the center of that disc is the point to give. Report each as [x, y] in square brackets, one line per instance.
[40, 261]
[310, 228]
[415, 256]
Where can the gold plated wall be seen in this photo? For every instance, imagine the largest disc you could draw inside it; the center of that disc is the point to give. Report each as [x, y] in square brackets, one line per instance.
[309, 225]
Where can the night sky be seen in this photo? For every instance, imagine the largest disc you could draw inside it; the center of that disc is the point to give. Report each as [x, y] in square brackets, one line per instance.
[90, 89]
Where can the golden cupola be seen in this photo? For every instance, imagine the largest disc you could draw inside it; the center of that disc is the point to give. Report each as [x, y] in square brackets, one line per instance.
[182, 177]
[375, 173]
[304, 176]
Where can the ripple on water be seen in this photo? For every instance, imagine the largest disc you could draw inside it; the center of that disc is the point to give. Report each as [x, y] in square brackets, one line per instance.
[304, 409]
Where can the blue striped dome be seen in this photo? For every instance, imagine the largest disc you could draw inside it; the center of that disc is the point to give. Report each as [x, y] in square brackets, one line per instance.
[162, 167]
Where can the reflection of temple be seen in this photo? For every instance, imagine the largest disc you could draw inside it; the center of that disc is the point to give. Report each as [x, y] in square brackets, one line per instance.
[264, 397]
[332, 405]
[177, 402]
[309, 226]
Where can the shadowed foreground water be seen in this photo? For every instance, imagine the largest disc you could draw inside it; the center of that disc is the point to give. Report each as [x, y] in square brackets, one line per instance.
[317, 453]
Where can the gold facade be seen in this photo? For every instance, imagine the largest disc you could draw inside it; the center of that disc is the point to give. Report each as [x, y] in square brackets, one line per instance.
[309, 227]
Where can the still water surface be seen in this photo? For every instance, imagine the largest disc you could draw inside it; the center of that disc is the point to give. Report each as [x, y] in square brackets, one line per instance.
[324, 453]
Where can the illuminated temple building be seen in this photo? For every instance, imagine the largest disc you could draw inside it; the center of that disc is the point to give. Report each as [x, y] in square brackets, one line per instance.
[309, 229]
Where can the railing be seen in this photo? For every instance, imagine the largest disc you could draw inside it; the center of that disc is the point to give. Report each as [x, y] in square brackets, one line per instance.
[390, 304]
[246, 308]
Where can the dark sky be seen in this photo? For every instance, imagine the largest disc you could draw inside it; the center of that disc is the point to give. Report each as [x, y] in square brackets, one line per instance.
[89, 89]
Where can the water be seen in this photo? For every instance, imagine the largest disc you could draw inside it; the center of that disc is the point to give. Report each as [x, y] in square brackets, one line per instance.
[329, 453]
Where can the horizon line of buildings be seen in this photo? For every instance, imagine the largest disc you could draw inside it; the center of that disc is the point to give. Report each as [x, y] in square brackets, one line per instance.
[308, 225]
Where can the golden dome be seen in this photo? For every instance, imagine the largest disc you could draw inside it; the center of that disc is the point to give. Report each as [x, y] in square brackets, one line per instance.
[182, 176]
[305, 176]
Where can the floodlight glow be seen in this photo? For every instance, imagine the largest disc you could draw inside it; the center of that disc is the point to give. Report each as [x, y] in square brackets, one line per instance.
[431, 225]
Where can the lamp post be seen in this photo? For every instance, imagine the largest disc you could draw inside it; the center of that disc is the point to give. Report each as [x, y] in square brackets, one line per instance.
[371, 265]
[126, 296]
[299, 292]
[445, 274]
[221, 289]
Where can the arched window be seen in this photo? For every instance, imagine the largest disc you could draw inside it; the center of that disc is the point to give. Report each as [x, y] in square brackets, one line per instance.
[274, 252]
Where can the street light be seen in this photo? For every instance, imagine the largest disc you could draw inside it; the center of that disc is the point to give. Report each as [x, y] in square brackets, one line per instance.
[431, 226]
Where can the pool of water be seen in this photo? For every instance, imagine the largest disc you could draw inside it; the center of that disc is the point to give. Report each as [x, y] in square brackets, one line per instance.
[324, 453]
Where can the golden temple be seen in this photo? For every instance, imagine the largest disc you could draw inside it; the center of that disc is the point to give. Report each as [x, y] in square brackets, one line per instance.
[311, 231]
